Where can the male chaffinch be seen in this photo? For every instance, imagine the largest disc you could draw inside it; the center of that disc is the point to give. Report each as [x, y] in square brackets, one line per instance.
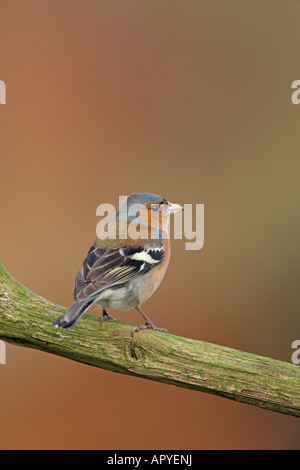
[122, 271]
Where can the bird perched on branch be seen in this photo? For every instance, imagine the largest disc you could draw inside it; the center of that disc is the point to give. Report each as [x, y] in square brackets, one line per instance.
[127, 263]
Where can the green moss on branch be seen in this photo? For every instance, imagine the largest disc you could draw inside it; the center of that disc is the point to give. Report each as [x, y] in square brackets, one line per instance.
[26, 318]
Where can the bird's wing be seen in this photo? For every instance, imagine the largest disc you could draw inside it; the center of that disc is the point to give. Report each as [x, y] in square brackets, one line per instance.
[107, 267]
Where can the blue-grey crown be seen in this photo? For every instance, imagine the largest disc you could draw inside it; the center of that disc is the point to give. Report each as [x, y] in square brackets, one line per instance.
[145, 198]
[136, 199]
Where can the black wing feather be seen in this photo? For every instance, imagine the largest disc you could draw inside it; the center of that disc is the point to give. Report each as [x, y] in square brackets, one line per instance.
[103, 268]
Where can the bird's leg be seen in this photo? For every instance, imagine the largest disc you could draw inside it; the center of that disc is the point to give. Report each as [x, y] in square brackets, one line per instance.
[148, 324]
[106, 316]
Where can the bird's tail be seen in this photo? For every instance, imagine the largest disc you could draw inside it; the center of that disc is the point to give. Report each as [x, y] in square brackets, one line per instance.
[73, 314]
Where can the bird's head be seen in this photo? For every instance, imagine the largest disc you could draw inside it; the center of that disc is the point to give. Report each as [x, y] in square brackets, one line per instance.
[148, 209]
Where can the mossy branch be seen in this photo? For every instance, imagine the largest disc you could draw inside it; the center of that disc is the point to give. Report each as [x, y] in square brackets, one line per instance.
[26, 318]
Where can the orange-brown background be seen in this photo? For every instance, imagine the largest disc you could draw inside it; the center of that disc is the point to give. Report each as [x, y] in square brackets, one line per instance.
[187, 99]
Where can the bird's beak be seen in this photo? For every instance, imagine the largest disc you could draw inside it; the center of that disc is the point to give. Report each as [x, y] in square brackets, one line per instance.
[173, 208]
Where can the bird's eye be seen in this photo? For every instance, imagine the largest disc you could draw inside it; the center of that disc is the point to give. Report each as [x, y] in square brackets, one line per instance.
[155, 208]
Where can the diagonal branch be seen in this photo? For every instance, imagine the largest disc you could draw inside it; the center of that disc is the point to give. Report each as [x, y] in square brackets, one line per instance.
[25, 320]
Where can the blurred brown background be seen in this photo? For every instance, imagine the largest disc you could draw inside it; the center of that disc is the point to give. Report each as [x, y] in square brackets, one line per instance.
[191, 100]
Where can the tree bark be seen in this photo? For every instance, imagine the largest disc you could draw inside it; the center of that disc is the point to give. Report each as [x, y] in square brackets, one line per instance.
[26, 319]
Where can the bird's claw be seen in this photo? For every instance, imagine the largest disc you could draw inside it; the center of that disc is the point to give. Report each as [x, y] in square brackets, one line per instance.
[149, 325]
[106, 316]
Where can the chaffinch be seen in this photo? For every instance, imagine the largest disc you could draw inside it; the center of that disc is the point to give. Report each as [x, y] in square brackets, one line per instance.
[125, 266]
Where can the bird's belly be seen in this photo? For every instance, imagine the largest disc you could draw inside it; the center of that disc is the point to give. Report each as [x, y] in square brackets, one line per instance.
[120, 299]
[145, 287]
[132, 294]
